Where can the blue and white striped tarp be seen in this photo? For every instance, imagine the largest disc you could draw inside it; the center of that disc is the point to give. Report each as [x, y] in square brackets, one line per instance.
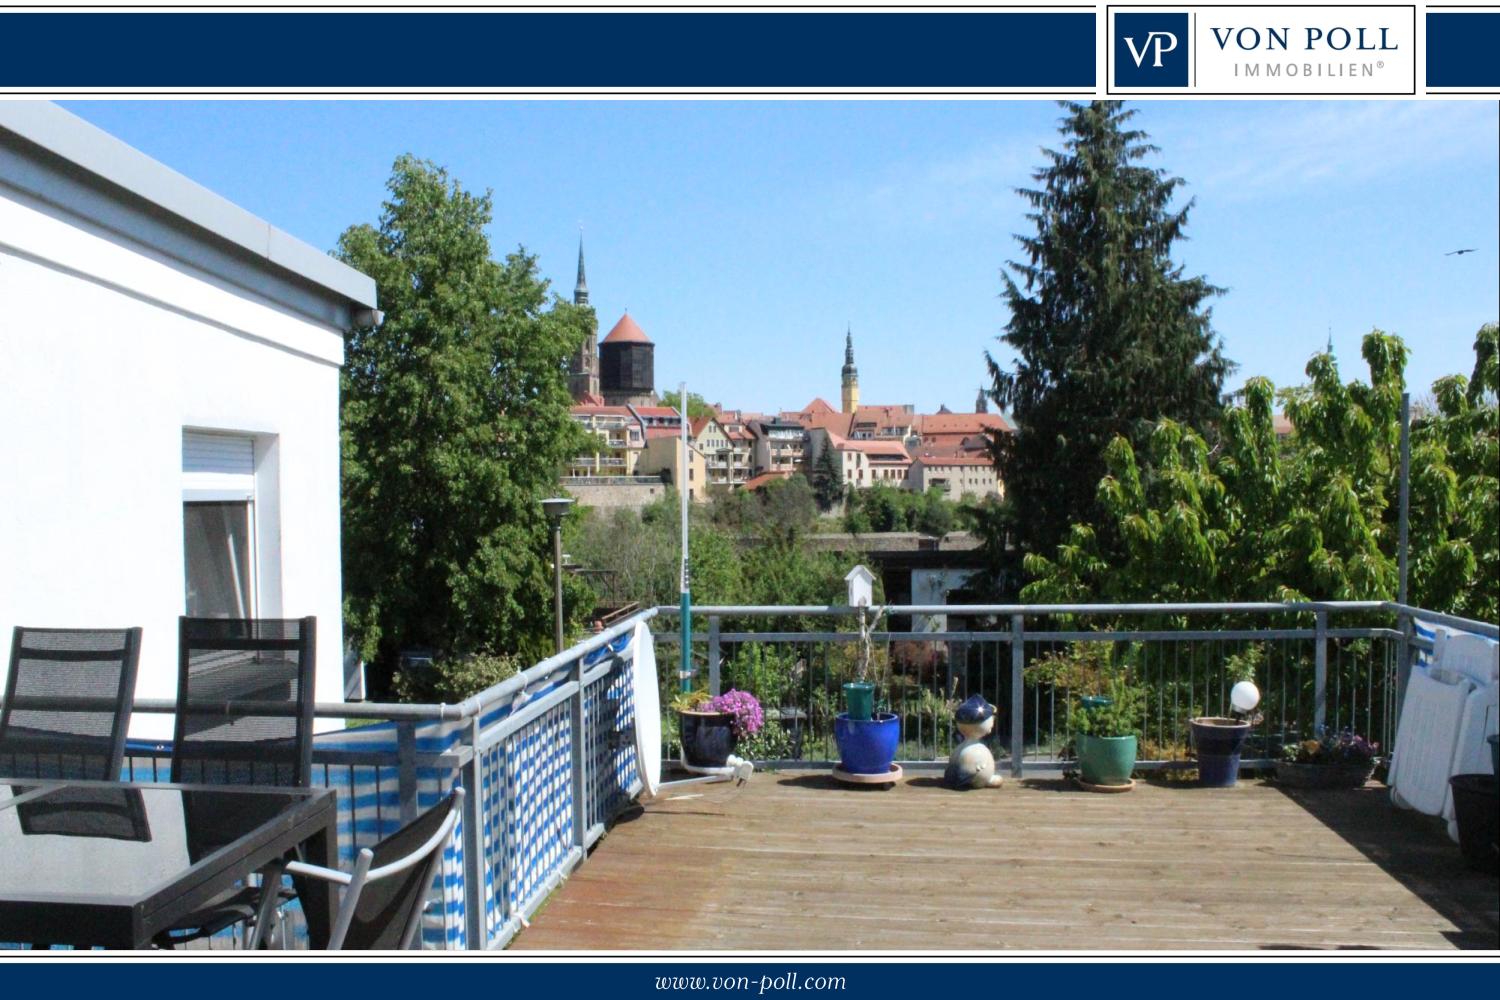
[526, 798]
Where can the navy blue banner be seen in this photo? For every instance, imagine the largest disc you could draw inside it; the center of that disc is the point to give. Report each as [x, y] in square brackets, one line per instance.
[454, 51]
[773, 979]
[1463, 49]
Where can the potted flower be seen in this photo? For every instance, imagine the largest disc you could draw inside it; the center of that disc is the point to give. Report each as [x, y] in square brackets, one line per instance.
[711, 726]
[743, 709]
[1106, 729]
[866, 738]
[1338, 760]
[1105, 710]
[708, 734]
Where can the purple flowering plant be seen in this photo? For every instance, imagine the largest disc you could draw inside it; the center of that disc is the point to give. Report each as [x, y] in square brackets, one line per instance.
[748, 717]
[1346, 747]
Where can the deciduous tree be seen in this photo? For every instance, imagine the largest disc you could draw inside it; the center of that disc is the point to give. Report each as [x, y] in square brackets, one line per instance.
[1313, 517]
[455, 423]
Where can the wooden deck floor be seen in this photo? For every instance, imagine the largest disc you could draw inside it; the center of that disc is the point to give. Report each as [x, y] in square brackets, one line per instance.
[798, 862]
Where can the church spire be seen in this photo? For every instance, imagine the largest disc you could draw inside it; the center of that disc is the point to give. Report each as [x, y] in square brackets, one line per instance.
[982, 403]
[581, 290]
[850, 381]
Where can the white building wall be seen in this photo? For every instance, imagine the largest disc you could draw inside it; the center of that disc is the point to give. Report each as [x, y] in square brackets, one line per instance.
[107, 352]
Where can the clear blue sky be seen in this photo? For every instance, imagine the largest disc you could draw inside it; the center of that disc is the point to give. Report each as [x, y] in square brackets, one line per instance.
[742, 236]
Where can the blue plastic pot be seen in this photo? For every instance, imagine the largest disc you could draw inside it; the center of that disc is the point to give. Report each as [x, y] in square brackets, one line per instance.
[1219, 742]
[867, 746]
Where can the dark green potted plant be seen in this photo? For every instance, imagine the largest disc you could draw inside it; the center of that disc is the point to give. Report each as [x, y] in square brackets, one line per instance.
[1105, 709]
[1106, 729]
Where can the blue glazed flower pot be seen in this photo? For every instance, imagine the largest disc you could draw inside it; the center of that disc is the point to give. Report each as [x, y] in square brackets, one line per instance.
[1218, 742]
[707, 738]
[867, 746]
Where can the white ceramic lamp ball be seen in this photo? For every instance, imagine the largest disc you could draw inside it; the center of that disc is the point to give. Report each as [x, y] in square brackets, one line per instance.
[1244, 696]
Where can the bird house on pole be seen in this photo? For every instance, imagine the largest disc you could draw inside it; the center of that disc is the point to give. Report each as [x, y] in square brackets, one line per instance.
[861, 587]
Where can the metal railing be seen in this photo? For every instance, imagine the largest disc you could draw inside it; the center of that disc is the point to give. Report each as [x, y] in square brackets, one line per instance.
[1319, 665]
[615, 480]
[547, 756]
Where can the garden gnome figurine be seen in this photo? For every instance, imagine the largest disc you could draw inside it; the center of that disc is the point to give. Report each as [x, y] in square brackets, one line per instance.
[972, 765]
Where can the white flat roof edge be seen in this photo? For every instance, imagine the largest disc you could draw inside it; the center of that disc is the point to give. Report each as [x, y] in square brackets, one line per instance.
[94, 150]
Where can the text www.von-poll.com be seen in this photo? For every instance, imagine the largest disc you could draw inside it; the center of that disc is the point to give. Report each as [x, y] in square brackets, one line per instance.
[760, 985]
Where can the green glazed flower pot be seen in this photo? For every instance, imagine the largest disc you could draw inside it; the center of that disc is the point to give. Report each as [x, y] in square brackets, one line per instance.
[859, 698]
[1106, 760]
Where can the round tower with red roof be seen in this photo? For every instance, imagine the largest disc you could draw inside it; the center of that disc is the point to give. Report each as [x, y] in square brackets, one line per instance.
[627, 366]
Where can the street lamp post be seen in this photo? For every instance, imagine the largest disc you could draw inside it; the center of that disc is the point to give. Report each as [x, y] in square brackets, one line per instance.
[556, 508]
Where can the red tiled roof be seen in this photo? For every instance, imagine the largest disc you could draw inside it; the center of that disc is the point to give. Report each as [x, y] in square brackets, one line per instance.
[696, 426]
[960, 423]
[831, 421]
[652, 433]
[626, 332]
[886, 417]
[756, 482]
[870, 447]
[656, 411]
[931, 458]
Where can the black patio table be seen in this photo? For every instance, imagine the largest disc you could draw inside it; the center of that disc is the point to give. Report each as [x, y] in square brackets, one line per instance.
[114, 863]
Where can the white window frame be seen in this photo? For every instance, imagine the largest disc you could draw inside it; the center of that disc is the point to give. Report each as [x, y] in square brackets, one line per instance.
[245, 494]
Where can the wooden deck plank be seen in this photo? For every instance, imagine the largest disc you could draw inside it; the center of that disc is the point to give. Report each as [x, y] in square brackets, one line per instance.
[795, 862]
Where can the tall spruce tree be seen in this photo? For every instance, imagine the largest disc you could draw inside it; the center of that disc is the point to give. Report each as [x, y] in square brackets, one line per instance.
[827, 478]
[455, 423]
[1110, 337]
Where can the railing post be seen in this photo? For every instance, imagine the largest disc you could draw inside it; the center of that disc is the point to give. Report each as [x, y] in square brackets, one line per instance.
[580, 776]
[406, 769]
[1320, 672]
[713, 654]
[1017, 693]
[1403, 676]
[472, 771]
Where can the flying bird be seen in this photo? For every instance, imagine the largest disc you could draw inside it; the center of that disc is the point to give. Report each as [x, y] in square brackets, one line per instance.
[1450, 253]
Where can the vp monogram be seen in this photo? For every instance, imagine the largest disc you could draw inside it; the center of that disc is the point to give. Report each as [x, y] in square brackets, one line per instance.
[1151, 50]
[1159, 42]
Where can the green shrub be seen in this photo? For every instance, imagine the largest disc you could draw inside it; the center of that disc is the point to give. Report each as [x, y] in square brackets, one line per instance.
[771, 742]
[1092, 668]
[455, 678]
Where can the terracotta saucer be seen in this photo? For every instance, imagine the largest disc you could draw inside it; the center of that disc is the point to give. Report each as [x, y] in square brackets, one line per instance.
[893, 775]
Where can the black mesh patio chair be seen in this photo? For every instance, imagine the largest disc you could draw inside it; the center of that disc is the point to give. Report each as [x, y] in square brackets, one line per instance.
[67, 703]
[244, 717]
[244, 701]
[384, 895]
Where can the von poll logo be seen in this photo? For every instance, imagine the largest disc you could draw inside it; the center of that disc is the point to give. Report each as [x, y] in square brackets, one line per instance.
[1151, 50]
